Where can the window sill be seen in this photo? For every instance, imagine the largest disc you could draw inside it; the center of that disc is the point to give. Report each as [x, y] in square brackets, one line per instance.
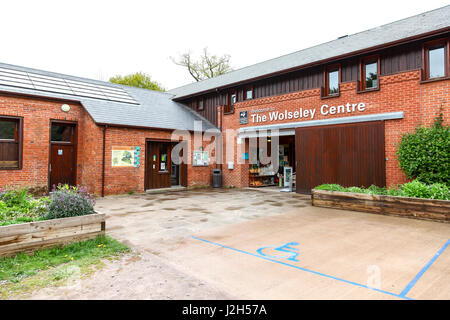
[336, 95]
[227, 113]
[434, 79]
[368, 90]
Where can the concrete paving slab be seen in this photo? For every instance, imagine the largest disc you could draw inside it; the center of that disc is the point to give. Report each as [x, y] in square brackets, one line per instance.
[352, 248]
[212, 237]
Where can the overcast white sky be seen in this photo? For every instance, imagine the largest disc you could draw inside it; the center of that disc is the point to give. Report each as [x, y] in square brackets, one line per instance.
[99, 39]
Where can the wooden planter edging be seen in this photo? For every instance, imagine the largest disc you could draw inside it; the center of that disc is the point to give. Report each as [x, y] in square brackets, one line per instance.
[31, 236]
[389, 205]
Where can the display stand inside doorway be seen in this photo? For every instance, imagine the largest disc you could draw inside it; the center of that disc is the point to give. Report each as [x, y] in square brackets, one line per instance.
[261, 177]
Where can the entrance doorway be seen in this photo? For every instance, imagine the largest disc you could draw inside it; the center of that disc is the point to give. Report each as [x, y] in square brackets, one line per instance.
[175, 175]
[63, 153]
[266, 175]
[160, 171]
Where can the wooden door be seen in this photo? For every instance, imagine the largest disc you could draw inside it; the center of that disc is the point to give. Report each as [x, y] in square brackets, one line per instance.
[158, 165]
[62, 167]
[347, 154]
[183, 168]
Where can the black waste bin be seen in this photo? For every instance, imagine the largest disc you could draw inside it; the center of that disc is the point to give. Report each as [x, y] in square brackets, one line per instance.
[217, 178]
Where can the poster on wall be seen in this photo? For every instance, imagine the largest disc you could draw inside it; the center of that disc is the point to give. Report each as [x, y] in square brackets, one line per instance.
[125, 156]
[200, 158]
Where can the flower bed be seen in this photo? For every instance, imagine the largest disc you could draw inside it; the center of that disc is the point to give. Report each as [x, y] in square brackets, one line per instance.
[17, 206]
[27, 223]
[383, 204]
[30, 236]
[413, 189]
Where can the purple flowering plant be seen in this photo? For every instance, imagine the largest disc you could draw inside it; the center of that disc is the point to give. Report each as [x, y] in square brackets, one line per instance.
[70, 201]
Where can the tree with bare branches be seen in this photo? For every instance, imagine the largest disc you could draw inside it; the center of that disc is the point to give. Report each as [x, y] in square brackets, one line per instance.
[207, 66]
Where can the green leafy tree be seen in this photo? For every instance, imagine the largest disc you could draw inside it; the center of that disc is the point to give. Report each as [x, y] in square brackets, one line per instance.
[207, 66]
[425, 153]
[139, 80]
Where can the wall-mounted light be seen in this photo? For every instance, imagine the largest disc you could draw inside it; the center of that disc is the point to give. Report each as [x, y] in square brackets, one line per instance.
[65, 108]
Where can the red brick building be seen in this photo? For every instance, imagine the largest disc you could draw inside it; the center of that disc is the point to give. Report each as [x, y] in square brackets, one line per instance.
[60, 129]
[339, 109]
[334, 113]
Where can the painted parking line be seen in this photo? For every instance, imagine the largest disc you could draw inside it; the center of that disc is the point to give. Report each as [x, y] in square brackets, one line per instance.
[424, 269]
[304, 269]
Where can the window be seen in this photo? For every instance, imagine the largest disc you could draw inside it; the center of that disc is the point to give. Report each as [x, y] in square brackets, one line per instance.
[232, 99]
[200, 104]
[61, 133]
[248, 93]
[332, 80]
[8, 130]
[10, 142]
[369, 72]
[435, 59]
[163, 157]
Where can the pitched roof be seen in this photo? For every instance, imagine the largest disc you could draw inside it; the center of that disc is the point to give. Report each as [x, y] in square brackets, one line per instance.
[146, 108]
[413, 26]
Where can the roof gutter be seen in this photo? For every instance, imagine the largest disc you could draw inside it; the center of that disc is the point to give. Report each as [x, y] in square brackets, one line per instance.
[319, 62]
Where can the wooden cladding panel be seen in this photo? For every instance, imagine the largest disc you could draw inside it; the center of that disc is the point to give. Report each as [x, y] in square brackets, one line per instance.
[348, 154]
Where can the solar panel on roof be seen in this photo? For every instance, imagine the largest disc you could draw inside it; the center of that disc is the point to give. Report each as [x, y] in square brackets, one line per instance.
[29, 80]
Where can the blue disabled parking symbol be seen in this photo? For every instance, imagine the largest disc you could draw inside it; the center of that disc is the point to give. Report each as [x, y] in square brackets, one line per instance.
[286, 251]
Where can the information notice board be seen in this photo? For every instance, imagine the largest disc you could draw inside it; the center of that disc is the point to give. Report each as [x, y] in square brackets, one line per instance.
[200, 158]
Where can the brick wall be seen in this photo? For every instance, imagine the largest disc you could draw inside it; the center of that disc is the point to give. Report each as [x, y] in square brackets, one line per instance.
[399, 92]
[37, 113]
[420, 103]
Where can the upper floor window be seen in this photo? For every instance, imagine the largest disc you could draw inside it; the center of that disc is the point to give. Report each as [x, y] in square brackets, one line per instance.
[200, 104]
[435, 59]
[369, 73]
[248, 93]
[332, 80]
[10, 142]
[232, 99]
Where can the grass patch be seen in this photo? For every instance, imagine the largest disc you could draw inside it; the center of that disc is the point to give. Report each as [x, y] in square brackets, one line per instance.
[24, 273]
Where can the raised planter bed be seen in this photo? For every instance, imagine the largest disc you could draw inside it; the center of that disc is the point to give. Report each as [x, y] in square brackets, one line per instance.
[400, 206]
[40, 234]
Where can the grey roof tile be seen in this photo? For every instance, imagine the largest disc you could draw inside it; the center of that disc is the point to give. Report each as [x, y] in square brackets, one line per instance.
[154, 109]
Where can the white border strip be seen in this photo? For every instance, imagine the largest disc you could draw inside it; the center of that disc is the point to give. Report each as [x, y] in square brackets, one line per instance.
[246, 131]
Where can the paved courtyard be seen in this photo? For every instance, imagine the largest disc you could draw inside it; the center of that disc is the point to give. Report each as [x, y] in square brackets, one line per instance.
[251, 244]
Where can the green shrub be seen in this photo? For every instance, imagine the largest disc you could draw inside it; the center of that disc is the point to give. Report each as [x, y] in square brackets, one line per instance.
[373, 189]
[395, 191]
[68, 201]
[16, 206]
[355, 189]
[424, 154]
[439, 191]
[330, 187]
[415, 189]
